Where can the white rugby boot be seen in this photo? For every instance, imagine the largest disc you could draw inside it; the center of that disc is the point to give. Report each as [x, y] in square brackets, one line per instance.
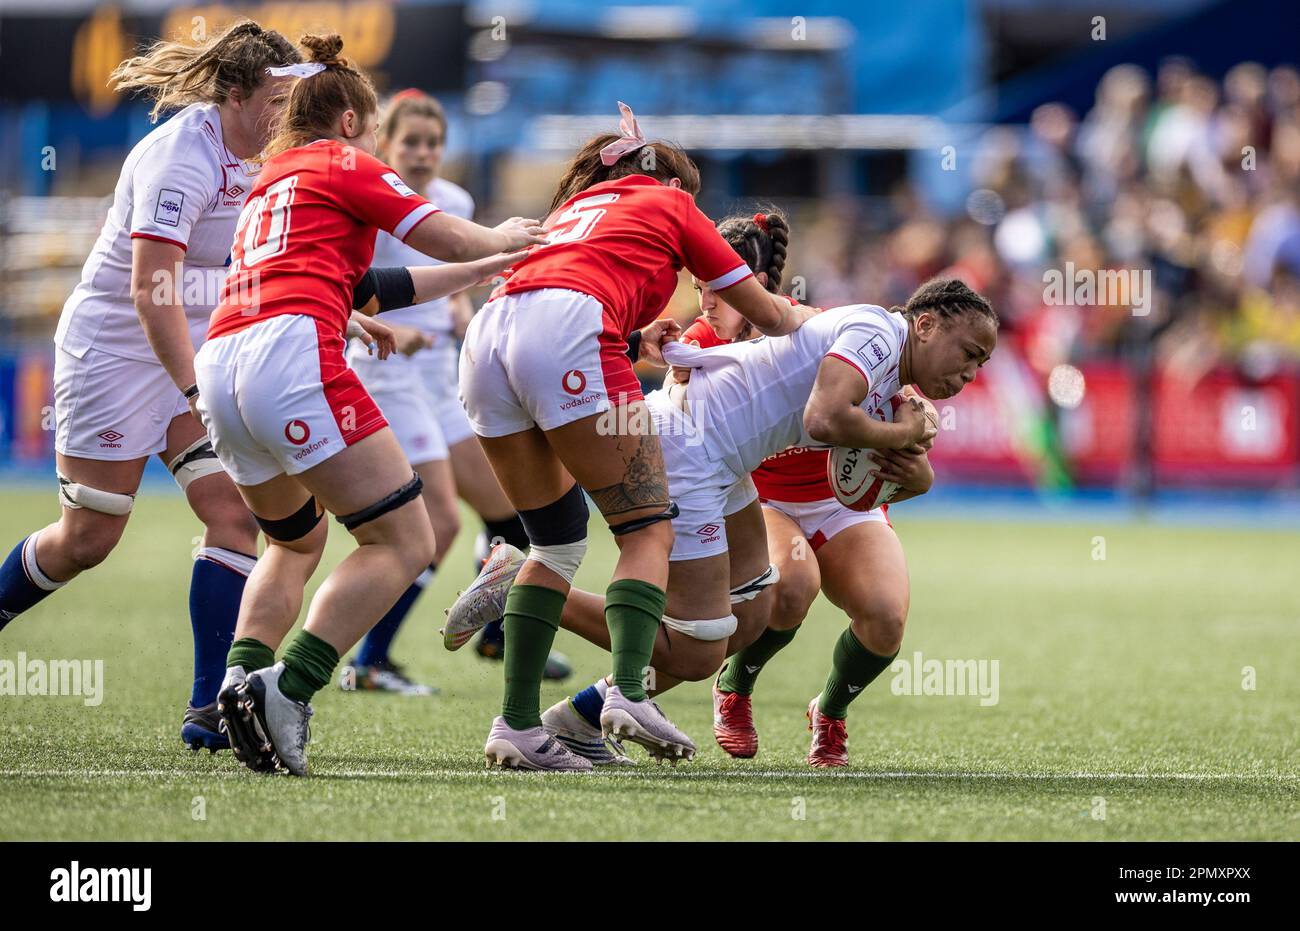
[532, 749]
[563, 722]
[281, 721]
[237, 723]
[644, 723]
[485, 599]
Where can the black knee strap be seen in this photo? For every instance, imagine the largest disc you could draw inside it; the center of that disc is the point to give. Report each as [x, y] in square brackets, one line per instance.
[510, 530]
[641, 523]
[407, 493]
[562, 521]
[294, 527]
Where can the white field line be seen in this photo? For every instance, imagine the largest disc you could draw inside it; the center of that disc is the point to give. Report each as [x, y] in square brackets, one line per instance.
[651, 771]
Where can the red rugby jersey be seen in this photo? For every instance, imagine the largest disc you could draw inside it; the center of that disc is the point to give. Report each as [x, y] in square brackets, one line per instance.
[794, 474]
[307, 234]
[623, 242]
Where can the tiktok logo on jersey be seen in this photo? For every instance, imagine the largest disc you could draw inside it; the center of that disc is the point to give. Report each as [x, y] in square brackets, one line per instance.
[574, 382]
[297, 432]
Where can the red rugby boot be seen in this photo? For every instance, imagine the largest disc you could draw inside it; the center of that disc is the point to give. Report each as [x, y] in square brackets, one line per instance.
[733, 723]
[829, 741]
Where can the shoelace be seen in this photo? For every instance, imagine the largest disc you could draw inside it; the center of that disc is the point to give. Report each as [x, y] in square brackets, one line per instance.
[831, 733]
[733, 703]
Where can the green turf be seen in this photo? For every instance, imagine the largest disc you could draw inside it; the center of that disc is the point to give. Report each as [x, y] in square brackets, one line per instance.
[1120, 679]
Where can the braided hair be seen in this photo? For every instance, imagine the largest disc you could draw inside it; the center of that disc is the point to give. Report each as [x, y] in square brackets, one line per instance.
[762, 240]
[947, 299]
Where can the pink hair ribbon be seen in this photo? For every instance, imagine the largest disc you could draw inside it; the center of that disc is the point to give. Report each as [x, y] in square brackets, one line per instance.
[631, 140]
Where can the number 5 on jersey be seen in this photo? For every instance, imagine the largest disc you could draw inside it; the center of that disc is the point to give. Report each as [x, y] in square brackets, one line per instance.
[583, 214]
[263, 228]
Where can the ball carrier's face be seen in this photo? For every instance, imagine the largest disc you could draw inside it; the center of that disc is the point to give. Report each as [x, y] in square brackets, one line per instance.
[943, 356]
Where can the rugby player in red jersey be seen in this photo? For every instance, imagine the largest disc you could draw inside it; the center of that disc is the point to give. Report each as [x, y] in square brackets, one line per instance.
[550, 390]
[291, 423]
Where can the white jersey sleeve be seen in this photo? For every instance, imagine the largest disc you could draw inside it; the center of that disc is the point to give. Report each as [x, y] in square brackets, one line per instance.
[432, 316]
[173, 183]
[871, 343]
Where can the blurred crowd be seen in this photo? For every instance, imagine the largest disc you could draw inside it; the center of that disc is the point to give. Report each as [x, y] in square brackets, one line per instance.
[1194, 180]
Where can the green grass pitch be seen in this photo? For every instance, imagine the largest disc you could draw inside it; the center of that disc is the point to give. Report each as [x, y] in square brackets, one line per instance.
[1120, 681]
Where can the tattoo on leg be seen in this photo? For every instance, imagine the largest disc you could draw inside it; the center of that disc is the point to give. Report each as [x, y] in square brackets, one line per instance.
[644, 485]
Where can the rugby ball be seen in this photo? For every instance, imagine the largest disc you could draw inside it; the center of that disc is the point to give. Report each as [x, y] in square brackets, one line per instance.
[851, 471]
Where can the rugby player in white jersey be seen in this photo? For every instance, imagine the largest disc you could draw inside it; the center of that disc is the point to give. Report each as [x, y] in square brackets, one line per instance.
[820, 386]
[124, 373]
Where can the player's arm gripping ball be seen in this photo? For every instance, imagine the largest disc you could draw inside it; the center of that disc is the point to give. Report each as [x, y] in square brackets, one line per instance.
[833, 416]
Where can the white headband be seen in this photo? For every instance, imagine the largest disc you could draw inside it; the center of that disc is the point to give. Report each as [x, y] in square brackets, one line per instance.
[304, 70]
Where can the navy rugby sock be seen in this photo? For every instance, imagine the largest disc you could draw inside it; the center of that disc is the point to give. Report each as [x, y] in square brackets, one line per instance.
[22, 586]
[379, 640]
[216, 587]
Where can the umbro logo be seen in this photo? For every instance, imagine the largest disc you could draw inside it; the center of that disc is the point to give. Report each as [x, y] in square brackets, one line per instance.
[708, 530]
[110, 436]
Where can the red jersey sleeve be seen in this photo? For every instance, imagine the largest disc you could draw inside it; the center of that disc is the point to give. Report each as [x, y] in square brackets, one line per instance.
[375, 194]
[704, 252]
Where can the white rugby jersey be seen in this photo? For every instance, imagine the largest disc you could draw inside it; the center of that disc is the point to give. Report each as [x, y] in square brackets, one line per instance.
[747, 399]
[180, 184]
[432, 316]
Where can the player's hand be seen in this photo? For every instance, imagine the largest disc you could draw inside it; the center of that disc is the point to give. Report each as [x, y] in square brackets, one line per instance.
[493, 266]
[521, 232]
[680, 375]
[653, 338]
[921, 429]
[377, 337]
[909, 470]
[408, 340]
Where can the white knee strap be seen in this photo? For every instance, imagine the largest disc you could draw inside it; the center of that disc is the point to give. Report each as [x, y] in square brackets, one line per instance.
[719, 628]
[561, 558]
[754, 587]
[198, 459]
[72, 495]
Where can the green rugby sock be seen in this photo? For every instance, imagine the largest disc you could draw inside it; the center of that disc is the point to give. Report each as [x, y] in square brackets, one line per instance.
[633, 610]
[250, 653]
[853, 667]
[308, 666]
[740, 673]
[532, 618]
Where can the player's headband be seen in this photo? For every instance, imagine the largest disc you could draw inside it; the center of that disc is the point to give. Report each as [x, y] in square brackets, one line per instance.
[631, 140]
[304, 70]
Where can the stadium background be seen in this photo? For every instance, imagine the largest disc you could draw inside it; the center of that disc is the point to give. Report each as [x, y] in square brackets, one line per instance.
[1121, 538]
[999, 140]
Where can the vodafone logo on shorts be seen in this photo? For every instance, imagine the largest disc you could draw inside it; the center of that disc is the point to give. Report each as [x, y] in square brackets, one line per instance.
[297, 432]
[574, 381]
